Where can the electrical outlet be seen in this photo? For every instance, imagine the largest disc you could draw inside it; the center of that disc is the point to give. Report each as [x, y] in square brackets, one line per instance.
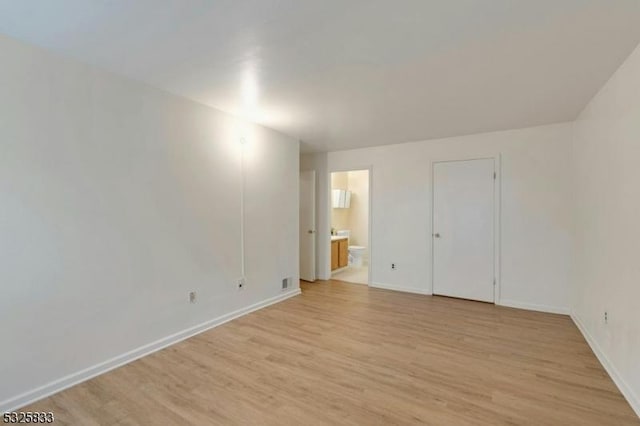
[192, 297]
[393, 266]
[241, 283]
[606, 317]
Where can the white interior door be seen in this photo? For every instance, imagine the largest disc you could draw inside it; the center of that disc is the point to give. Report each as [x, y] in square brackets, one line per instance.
[463, 229]
[308, 225]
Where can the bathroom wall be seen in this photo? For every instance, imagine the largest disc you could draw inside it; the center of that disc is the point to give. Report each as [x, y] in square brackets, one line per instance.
[116, 201]
[340, 218]
[606, 186]
[535, 231]
[356, 217]
[359, 211]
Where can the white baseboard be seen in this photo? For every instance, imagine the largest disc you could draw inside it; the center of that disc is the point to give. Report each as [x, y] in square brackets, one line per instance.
[12, 404]
[397, 288]
[533, 307]
[624, 388]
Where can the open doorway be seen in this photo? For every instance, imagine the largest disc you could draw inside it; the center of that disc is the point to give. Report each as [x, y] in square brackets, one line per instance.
[350, 241]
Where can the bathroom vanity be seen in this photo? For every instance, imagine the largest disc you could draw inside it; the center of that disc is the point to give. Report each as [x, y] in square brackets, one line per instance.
[339, 252]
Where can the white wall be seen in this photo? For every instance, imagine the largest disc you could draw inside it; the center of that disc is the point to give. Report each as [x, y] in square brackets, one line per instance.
[606, 158]
[536, 222]
[116, 200]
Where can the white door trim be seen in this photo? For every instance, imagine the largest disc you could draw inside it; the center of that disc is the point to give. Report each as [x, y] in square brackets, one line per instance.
[328, 230]
[497, 164]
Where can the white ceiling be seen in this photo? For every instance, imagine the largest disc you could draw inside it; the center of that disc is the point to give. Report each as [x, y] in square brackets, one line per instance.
[341, 74]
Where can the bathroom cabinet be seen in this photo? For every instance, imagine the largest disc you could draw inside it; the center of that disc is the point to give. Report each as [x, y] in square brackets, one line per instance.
[339, 253]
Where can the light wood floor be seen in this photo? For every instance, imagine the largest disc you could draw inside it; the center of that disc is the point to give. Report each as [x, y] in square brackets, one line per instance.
[347, 354]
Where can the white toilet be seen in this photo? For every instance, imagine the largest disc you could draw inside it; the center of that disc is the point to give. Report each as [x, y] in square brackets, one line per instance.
[356, 253]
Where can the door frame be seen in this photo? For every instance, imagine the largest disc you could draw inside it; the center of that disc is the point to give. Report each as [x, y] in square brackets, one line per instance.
[369, 168]
[497, 193]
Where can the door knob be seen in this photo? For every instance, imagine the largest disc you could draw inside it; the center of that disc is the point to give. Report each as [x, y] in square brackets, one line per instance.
[436, 235]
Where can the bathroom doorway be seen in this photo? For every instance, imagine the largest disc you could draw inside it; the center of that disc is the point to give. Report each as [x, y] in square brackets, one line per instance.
[350, 226]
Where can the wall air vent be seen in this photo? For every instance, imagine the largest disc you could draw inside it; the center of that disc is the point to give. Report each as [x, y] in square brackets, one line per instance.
[286, 283]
